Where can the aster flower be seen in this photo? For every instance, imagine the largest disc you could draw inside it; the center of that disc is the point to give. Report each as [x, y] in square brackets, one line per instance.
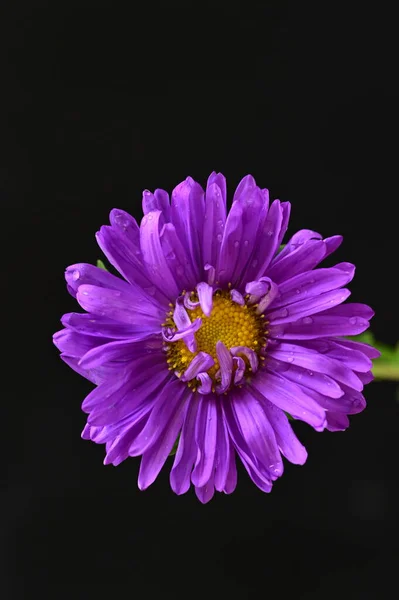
[213, 336]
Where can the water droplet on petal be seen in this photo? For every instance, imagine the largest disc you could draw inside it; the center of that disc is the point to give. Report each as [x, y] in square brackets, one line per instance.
[75, 275]
[219, 237]
[236, 244]
[255, 263]
[307, 320]
[310, 373]
[298, 291]
[149, 217]
[270, 232]
[290, 359]
[284, 312]
[220, 224]
[353, 320]
[246, 242]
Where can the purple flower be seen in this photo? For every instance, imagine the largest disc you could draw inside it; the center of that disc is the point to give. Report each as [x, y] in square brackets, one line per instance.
[212, 336]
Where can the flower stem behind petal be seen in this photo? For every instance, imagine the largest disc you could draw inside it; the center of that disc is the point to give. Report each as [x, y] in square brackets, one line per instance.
[101, 265]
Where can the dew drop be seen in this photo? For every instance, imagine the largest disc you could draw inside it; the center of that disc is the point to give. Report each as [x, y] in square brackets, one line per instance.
[284, 312]
[220, 224]
[298, 291]
[246, 242]
[307, 320]
[353, 320]
[219, 237]
[270, 232]
[217, 204]
[290, 359]
[149, 217]
[75, 275]
[255, 263]
[236, 244]
[310, 373]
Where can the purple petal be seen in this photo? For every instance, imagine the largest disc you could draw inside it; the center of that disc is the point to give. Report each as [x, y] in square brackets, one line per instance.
[352, 310]
[145, 378]
[211, 273]
[120, 306]
[177, 258]
[214, 222]
[230, 247]
[286, 439]
[186, 450]
[290, 398]
[201, 362]
[122, 350]
[187, 213]
[159, 200]
[249, 354]
[121, 220]
[83, 273]
[180, 315]
[106, 328]
[205, 438]
[267, 244]
[225, 471]
[76, 344]
[337, 422]
[304, 258]
[126, 257]
[246, 186]
[313, 283]
[118, 449]
[96, 376]
[257, 431]
[226, 367]
[352, 358]
[332, 243]
[305, 377]
[258, 288]
[206, 383]
[154, 257]
[319, 326]
[307, 307]
[254, 212]
[188, 303]
[351, 402]
[205, 297]
[237, 297]
[369, 351]
[184, 334]
[366, 378]
[161, 429]
[298, 239]
[256, 470]
[268, 298]
[206, 493]
[240, 369]
[286, 208]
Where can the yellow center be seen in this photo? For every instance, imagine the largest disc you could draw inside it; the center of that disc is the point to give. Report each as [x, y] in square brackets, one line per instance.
[229, 322]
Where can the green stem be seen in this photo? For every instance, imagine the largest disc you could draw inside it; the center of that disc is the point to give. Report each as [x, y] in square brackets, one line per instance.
[386, 371]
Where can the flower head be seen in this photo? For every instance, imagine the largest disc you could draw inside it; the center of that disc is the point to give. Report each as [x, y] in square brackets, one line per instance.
[212, 336]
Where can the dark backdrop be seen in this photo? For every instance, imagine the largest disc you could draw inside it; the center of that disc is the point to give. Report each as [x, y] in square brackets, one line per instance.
[101, 102]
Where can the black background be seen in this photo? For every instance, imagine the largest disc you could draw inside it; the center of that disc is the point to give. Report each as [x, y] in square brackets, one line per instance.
[101, 101]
